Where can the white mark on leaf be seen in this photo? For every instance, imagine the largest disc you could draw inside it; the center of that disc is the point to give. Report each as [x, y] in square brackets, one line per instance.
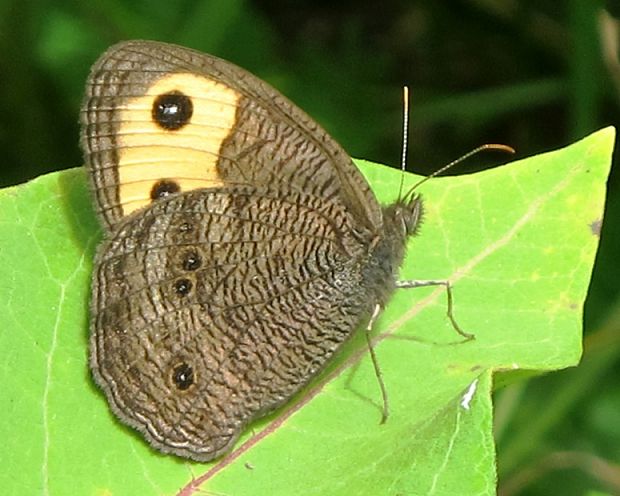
[469, 394]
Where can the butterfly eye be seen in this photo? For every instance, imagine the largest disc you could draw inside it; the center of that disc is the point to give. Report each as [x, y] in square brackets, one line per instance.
[183, 376]
[172, 110]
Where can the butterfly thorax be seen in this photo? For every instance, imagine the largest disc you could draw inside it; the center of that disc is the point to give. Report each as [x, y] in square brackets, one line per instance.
[401, 220]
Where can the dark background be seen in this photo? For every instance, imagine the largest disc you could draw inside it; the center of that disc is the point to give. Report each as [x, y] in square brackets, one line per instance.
[536, 75]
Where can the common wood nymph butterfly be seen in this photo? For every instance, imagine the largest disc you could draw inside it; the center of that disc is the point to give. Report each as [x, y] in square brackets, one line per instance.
[242, 245]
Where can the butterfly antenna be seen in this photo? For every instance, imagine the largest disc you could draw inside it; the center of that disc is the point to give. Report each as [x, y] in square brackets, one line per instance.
[403, 157]
[487, 146]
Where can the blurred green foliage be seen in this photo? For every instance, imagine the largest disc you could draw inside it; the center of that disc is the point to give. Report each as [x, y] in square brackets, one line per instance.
[532, 74]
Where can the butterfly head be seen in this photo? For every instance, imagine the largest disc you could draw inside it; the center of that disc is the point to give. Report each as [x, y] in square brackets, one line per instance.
[405, 215]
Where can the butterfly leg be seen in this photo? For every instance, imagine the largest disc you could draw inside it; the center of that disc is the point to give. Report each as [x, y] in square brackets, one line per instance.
[448, 286]
[373, 356]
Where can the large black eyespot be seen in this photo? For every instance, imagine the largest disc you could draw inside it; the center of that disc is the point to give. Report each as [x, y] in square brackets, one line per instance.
[183, 286]
[191, 260]
[172, 110]
[183, 376]
[162, 189]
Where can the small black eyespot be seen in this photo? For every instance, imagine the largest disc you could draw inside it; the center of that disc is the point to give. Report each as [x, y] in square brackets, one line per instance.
[172, 110]
[162, 189]
[240, 201]
[191, 261]
[117, 267]
[186, 227]
[183, 376]
[183, 286]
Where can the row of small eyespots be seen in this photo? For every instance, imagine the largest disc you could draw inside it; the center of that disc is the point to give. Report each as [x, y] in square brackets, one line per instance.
[172, 111]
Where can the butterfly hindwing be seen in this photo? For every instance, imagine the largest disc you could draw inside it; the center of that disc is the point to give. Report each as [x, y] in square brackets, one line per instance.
[208, 313]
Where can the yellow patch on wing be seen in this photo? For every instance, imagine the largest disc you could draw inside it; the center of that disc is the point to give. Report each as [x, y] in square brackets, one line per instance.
[187, 156]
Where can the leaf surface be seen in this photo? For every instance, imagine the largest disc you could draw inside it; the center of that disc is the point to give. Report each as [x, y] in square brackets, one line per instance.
[517, 242]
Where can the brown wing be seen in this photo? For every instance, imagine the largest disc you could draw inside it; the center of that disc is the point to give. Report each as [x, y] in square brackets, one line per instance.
[159, 118]
[213, 307]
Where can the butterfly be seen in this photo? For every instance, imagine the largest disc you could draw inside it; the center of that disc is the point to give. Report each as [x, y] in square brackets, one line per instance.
[242, 245]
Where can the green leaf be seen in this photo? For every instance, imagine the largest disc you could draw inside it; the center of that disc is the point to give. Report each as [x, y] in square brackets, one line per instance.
[518, 244]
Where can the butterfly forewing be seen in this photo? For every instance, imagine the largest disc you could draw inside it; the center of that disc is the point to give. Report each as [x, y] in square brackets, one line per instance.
[239, 131]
